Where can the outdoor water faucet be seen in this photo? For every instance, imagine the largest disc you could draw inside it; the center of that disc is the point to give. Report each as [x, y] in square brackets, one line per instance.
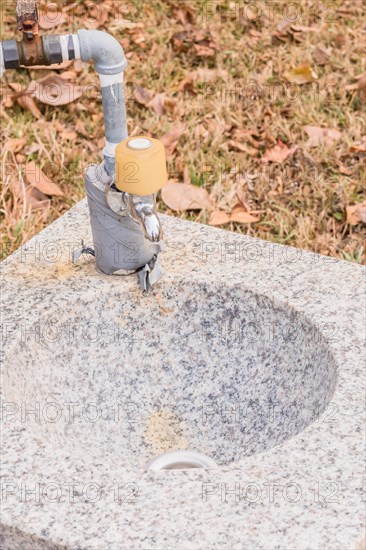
[143, 211]
[121, 191]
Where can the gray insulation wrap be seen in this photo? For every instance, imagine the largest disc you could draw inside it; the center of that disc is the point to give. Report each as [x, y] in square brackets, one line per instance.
[114, 111]
[118, 240]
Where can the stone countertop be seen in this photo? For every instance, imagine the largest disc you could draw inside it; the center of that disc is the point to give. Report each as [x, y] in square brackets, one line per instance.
[303, 493]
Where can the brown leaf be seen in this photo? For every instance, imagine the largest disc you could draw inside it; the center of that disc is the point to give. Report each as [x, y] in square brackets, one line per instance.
[27, 102]
[321, 136]
[203, 50]
[185, 15]
[33, 148]
[302, 28]
[340, 40]
[157, 103]
[32, 196]
[187, 84]
[302, 74]
[246, 136]
[181, 197]
[36, 178]
[182, 41]
[279, 153]
[356, 213]
[20, 158]
[238, 215]
[344, 170]
[56, 66]
[283, 25]
[202, 74]
[321, 56]
[141, 95]
[69, 75]
[80, 129]
[53, 90]
[236, 146]
[69, 135]
[37, 199]
[15, 145]
[171, 138]
[218, 217]
[243, 217]
[359, 146]
[24, 100]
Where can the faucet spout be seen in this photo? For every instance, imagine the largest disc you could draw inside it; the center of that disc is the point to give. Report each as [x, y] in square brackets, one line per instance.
[143, 210]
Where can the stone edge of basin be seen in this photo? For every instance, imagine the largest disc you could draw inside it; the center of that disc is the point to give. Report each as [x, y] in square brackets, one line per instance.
[321, 288]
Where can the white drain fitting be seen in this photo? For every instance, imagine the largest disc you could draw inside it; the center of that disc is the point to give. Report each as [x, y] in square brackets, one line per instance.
[181, 460]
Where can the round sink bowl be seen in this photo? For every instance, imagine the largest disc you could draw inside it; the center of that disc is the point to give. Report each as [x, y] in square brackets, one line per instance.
[209, 368]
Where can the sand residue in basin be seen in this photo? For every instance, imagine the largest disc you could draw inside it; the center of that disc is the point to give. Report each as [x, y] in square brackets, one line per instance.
[164, 431]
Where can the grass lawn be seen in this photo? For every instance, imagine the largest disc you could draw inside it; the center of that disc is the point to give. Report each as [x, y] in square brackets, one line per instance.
[261, 106]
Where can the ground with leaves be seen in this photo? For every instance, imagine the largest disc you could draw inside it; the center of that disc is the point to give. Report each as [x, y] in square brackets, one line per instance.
[261, 109]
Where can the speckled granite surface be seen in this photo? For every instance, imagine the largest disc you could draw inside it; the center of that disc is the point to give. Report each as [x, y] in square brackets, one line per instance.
[250, 352]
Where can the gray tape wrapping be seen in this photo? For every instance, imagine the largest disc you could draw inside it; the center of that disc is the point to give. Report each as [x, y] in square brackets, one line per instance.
[119, 244]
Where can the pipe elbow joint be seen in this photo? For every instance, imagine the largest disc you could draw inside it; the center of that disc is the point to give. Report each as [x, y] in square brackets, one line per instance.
[102, 48]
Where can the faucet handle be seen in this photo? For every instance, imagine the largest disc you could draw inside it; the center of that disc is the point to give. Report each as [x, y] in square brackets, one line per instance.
[140, 166]
[143, 211]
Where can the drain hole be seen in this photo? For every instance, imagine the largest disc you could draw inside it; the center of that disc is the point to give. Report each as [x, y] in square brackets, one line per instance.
[181, 460]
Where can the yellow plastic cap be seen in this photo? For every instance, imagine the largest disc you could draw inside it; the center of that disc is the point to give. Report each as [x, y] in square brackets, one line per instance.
[140, 165]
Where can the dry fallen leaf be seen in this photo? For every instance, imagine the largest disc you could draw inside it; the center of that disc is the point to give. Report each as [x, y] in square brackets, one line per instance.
[237, 146]
[27, 102]
[203, 50]
[185, 15]
[36, 178]
[283, 25]
[321, 136]
[36, 199]
[141, 95]
[182, 41]
[359, 146]
[238, 215]
[356, 213]
[69, 135]
[302, 28]
[55, 66]
[15, 145]
[187, 84]
[218, 217]
[322, 56]
[302, 74]
[181, 197]
[279, 153]
[157, 103]
[202, 75]
[340, 40]
[69, 75]
[24, 100]
[344, 170]
[28, 194]
[54, 90]
[171, 138]
[80, 129]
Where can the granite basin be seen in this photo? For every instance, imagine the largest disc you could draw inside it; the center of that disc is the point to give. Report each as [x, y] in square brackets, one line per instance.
[249, 352]
[209, 367]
